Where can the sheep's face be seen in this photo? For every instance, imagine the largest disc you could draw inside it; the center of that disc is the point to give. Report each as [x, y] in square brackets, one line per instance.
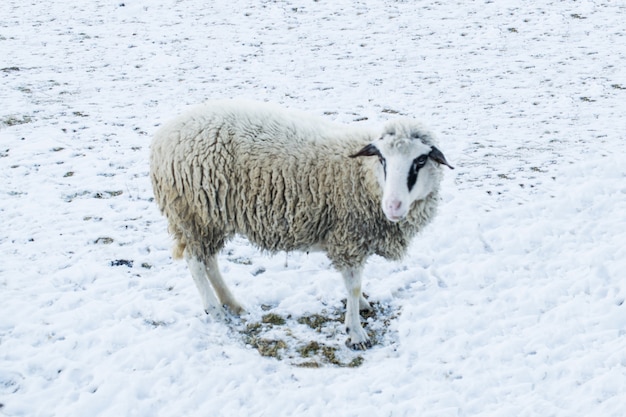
[409, 167]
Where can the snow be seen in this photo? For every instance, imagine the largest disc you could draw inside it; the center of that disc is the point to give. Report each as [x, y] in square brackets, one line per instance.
[510, 303]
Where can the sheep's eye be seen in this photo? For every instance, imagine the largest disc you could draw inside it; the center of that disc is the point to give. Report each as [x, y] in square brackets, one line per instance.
[420, 161]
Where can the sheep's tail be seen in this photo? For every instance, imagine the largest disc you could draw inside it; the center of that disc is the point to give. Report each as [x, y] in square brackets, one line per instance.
[178, 250]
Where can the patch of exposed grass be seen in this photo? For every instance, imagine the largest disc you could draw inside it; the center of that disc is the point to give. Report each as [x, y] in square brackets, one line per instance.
[315, 321]
[16, 120]
[268, 347]
[253, 329]
[322, 353]
[273, 319]
[319, 342]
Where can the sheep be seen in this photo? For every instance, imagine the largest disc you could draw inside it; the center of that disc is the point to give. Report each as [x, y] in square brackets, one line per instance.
[288, 181]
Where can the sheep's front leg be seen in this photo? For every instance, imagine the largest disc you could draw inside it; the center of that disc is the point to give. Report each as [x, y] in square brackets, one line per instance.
[358, 338]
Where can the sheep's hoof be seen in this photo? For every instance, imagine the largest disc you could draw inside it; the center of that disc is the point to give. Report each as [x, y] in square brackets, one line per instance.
[235, 309]
[360, 345]
[357, 339]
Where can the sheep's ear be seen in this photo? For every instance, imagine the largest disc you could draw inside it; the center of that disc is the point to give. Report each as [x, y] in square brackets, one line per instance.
[437, 156]
[369, 150]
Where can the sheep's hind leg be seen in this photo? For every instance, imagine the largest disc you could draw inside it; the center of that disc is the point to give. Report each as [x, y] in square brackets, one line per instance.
[199, 275]
[364, 305]
[358, 338]
[225, 296]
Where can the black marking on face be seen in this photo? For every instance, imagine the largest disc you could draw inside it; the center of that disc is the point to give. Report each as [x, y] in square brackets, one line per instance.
[417, 164]
[383, 162]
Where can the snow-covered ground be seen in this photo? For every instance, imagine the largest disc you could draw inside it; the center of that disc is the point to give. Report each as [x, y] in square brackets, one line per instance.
[512, 303]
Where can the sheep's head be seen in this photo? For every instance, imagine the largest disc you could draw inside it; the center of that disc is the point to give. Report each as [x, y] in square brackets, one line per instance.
[409, 168]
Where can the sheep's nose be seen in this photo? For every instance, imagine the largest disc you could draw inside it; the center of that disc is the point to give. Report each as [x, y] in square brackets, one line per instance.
[395, 205]
[394, 210]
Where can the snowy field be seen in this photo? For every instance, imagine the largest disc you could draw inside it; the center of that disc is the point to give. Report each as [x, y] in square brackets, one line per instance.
[511, 303]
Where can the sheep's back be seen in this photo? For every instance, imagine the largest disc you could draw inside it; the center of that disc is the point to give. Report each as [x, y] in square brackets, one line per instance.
[255, 172]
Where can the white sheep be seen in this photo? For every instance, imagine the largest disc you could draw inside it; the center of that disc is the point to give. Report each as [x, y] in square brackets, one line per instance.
[288, 181]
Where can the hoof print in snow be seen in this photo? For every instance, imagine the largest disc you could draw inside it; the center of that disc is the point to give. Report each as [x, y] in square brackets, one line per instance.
[103, 240]
[258, 271]
[241, 260]
[122, 262]
[108, 194]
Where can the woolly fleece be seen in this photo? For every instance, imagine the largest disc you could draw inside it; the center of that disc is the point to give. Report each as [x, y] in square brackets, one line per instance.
[282, 179]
